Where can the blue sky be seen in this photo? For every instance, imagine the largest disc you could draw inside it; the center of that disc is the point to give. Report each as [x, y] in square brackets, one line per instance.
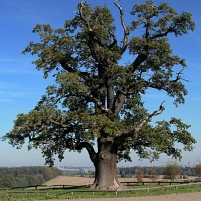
[21, 85]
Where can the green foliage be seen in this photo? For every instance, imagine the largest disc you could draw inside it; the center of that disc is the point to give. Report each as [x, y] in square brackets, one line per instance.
[95, 97]
[7, 181]
[172, 170]
[153, 174]
[26, 176]
[197, 169]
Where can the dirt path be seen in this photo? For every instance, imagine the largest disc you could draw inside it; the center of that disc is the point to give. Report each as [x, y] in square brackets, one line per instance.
[171, 197]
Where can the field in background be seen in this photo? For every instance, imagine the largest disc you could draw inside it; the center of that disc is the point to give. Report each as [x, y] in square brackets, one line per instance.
[70, 180]
[78, 181]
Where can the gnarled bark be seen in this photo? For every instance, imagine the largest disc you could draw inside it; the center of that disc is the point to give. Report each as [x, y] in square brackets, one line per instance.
[105, 166]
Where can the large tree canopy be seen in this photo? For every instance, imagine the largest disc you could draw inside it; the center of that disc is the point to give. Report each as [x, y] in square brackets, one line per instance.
[96, 100]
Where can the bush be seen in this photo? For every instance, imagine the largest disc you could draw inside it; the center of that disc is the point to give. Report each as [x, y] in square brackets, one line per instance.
[172, 170]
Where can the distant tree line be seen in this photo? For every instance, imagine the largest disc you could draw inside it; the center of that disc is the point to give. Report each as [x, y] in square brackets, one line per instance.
[133, 171]
[79, 171]
[26, 176]
[148, 171]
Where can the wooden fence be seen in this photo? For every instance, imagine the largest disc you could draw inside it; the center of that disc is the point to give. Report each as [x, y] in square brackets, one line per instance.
[73, 192]
[129, 183]
[159, 182]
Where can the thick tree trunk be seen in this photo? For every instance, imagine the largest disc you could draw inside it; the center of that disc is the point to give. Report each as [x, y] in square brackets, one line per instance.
[105, 167]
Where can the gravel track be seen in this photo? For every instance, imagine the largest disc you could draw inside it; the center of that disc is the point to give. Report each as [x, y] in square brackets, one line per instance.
[170, 197]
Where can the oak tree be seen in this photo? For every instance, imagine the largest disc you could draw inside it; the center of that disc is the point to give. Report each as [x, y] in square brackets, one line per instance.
[96, 100]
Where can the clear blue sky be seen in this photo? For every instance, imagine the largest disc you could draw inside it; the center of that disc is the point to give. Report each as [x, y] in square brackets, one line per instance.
[21, 85]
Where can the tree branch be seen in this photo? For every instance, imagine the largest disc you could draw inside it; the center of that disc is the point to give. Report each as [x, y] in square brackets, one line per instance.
[67, 67]
[42, 141]
[140, 58]
[60, 123]
[130, 92]
[82, 16]
[89, 148]
[121, 96]
[38, 140]
[134, 133]
[110, 93]
[114, 39]
[126, 29]
[93, 47]
[118, 102]
[100, 105]
[159, 35]
[156, 84]
[149, 116]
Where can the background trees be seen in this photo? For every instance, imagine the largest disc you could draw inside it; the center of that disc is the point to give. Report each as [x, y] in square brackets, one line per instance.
[139, 176]
[172, 170]
[7, 181]
[153, 174]
[197, 169]
[26, 176]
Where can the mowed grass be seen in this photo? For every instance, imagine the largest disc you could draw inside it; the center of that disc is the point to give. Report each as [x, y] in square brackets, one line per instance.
[76, 190]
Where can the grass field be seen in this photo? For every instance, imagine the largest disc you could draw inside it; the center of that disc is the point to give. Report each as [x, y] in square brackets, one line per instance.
[77, 191]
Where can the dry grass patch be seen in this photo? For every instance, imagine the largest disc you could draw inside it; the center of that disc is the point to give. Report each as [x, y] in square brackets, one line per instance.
[70, 180]
[79, 181]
